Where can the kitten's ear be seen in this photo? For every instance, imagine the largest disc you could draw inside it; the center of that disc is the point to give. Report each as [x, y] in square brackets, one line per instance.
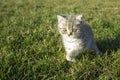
[61, 17]
[79, 17]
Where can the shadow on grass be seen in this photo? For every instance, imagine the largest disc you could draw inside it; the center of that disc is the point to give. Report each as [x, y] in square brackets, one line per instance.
[109, 45]
[106, 46]
[65, 66]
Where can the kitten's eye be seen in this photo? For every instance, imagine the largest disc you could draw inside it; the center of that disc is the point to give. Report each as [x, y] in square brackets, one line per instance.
[64, 30]
[74, 30]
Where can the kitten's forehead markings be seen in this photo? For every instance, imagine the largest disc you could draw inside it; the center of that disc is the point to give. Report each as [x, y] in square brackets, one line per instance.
[70, 22]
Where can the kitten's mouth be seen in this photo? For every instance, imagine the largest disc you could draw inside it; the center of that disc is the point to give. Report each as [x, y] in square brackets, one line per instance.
[69, 35]
[71, 41]
[69, 38]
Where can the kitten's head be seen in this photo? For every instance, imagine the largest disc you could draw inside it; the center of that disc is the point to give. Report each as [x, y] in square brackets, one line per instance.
[69, 25]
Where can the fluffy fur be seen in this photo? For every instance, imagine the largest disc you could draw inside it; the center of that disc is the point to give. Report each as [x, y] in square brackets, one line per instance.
[76, 34]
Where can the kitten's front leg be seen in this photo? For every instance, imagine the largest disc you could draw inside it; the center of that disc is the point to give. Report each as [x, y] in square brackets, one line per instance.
[70, 56]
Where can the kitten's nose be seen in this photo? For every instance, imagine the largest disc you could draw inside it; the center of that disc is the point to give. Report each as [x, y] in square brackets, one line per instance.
[70, 33]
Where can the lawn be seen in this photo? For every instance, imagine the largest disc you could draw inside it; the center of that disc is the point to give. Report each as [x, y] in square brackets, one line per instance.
[31, 46]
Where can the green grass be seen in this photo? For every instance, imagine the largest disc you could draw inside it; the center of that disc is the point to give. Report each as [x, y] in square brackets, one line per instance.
[31, 47]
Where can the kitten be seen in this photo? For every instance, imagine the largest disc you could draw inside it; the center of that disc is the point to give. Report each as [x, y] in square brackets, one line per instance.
[76, 34]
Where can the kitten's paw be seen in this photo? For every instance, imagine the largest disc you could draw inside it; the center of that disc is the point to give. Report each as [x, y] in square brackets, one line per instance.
[70, 59]
[99, 52]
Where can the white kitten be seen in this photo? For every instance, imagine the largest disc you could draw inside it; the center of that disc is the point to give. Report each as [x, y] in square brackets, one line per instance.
[76, 34]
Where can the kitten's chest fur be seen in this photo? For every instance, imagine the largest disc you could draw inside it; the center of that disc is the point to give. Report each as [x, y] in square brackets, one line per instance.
[73, 44]
[77, 44]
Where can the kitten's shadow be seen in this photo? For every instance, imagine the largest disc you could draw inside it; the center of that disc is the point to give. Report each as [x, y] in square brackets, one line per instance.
[109, 45]
[87, 54]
